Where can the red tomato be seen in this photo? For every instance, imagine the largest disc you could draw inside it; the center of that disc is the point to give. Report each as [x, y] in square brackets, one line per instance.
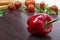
[42, 4]
[10, 7]
[32, 2]
[30, 7]
[28, 2]
[17, 4]
[54, 8]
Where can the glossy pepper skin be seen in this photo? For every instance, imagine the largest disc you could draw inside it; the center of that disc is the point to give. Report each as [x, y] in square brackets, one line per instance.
[36, 24]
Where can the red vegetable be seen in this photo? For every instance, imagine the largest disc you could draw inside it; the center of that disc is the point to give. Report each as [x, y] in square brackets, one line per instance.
[42, 4]
[30, 7]
[10, 7]
[54, 8]
[40, 24]
[32, 2]
[17, 4]
[28, 2]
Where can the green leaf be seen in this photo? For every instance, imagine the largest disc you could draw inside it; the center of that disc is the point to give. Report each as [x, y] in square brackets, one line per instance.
[48, 12]
[1, 9]
[25, 8]
[19, 9]
[37, 10]
[37, 5]
[1, 13]
[51, 12]
[41, 10]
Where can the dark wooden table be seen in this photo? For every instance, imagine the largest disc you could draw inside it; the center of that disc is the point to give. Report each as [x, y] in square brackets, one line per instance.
[13, 27]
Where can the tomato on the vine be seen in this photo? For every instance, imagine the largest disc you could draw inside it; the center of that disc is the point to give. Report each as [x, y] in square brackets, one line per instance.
[28, 2]
[17, 4]
[30, 7]
[10, 7]
[42, 4]
[54, 8]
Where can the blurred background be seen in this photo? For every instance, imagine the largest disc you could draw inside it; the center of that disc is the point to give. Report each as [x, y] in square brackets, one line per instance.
[50, 2]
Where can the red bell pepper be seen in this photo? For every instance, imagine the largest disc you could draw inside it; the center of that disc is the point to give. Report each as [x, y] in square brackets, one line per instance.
[40, 24]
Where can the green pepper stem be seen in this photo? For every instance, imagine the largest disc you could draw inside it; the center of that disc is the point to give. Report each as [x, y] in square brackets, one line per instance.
[53, 21]
[48, 23]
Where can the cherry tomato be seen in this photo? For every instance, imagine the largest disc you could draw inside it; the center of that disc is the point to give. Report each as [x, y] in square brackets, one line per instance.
[10, 7]
[17, 4]
[30, 7]
[42, 4]
[28, 2]
[32, 2]
[54, 8]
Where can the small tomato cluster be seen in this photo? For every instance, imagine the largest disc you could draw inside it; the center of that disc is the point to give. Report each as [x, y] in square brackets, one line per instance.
[14, 5]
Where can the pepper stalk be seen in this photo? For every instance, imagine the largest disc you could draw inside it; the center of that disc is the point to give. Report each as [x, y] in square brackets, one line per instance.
[49, 22]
